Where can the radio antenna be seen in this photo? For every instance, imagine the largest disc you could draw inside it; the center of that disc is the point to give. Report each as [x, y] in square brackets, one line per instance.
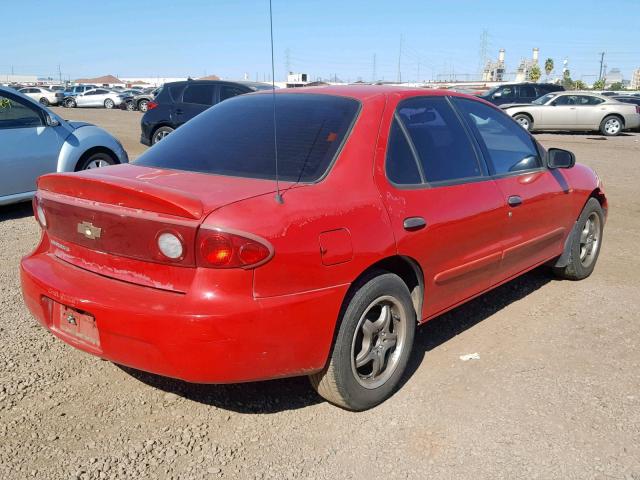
[279, 198]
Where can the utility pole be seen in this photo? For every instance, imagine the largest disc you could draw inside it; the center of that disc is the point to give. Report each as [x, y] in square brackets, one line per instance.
[59, 74]
[373, 73]
[601, 65]
[418, 80]
[399, 61]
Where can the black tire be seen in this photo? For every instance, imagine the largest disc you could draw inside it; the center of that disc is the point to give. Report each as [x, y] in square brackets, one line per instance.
[131, 106]
[611, 126]
[580, 266]
[44, 102]
[142, 105]
[160, 133]
[90, 161]
[524, 120]
[341, 382]
[109, 104]
[70, 103]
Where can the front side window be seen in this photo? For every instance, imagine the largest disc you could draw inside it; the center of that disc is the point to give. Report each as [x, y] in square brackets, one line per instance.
[566, 100]
[199, 93]
[236, 137]
[507, 146]
[507, 92]
[443, 148]
[15, 114]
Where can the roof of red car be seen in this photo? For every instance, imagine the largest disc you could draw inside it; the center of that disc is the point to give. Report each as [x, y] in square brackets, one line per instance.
[362, 92]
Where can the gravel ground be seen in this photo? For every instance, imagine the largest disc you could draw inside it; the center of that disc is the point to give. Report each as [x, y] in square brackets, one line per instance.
[554, 395]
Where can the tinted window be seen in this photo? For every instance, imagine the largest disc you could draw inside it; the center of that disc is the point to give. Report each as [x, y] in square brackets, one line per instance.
[508, 147]
[236, 137]
[566, 100]
[199, 93]
[101, 92]
[91, 92]
[443, 147]
[527, 91]
[401, 165]
[14, 114]
[228, 92]
[507, 92]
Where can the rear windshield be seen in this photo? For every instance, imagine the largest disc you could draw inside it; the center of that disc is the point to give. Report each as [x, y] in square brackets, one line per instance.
[236, 137]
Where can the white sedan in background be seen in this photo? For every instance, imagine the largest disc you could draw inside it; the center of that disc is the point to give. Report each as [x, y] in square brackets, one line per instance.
[42, 95]
[96, 97]
[576, 111]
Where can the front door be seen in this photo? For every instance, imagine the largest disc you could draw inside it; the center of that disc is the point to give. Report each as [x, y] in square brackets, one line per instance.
[21, 125]
[561, 113]
[446, 213]
[538, 199]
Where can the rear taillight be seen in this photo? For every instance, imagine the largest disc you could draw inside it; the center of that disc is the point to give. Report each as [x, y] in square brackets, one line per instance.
[638, 109]
[151, 105]
[223, 249]
[38, 211]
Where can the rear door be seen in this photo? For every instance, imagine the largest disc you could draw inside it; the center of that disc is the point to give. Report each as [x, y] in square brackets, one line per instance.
[197, 97]
[22, 124]
[589, 111]
[526, 93]
[445, 211]
[539, 200]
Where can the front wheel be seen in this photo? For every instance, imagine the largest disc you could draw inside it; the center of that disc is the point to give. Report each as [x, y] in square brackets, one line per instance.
[142, 105]
[109, 104]
[611, 126]
[585, 243]
[131, 106]
[372, 346]
[70, 103]
[44, 102]
[524, 121]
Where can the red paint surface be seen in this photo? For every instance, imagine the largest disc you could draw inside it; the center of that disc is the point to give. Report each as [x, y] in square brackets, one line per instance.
[229, 325]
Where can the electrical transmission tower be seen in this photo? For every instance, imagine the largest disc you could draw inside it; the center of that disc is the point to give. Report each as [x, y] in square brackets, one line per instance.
[482, 52]
[373, 73]
[287, 61]
[399, 61]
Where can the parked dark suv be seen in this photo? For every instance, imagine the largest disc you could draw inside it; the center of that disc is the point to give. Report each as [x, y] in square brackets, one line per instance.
[519, 92]
[178, 102]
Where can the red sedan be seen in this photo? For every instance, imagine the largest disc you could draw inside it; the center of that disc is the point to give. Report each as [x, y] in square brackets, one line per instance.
[394, 206]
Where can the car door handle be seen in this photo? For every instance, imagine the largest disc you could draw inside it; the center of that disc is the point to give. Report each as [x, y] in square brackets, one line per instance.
[414, 223]
[514, 200]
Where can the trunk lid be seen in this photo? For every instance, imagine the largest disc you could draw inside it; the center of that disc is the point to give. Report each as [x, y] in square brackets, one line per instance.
[108, 220]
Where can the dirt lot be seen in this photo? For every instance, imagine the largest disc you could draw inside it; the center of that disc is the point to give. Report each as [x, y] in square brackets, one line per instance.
[554, 395]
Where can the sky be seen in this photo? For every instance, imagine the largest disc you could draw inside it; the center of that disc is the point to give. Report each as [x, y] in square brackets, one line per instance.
[432, 39]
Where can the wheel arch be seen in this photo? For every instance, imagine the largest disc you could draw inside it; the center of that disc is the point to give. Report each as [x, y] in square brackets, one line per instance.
[93, 150]
[617, 115]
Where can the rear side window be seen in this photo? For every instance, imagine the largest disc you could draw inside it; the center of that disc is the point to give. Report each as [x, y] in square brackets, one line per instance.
[236, 137]
[199, 93]
[527, 91]
[443, 148]
[228, 92]
[401, 165]
[507, 146]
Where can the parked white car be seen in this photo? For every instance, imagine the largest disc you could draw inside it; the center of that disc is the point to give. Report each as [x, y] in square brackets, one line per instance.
[96, 97]
[576, 111]
[42, 95]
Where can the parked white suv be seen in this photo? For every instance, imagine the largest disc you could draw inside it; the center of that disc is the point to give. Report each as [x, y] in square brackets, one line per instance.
[43, 95]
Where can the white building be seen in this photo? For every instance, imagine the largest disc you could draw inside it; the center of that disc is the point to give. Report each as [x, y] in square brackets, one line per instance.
[614, 76]
[635, 80]
[522, 74]
[494, 71]
[150, 81]
[9, 78]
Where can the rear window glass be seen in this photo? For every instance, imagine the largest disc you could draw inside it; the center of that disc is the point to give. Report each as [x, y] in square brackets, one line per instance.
[236, 137]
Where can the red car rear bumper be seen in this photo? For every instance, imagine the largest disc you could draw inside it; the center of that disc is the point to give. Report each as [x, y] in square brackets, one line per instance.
[238, 338]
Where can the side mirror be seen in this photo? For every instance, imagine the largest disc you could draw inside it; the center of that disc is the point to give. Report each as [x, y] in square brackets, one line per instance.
[558, 158]
[51, 121]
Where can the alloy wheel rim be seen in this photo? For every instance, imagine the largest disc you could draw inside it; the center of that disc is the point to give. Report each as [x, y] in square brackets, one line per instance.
[98, 163]
[524, 122]
[161, 134]
[143, 106]
[590, 240]
[378, 342]
[612, 125]
[108, 104]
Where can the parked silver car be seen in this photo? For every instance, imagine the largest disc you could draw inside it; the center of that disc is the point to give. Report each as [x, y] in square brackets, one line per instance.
[97, 97]
[576, 111]
[35, 141]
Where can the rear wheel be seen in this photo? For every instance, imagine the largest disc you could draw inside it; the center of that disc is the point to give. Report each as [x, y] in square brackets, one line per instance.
[96, 160]
[372, 345]
[131, 106]
[70, 103]
[109, 104]
[611, 126]
[524, 121]
[160, 133]
[44, 101]
[585, 244]
[142, 105]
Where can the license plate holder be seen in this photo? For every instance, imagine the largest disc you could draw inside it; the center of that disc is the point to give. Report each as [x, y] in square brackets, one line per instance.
[76, 324]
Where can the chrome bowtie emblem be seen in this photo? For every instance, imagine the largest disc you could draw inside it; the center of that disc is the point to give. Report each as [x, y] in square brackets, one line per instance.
[88, 230]
[71, 319]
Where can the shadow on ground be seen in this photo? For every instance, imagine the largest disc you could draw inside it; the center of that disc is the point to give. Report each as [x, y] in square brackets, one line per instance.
[293, 393]
[17, 210]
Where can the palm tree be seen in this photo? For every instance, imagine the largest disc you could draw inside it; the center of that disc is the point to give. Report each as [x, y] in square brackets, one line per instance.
[534, 73]
[548, 66]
